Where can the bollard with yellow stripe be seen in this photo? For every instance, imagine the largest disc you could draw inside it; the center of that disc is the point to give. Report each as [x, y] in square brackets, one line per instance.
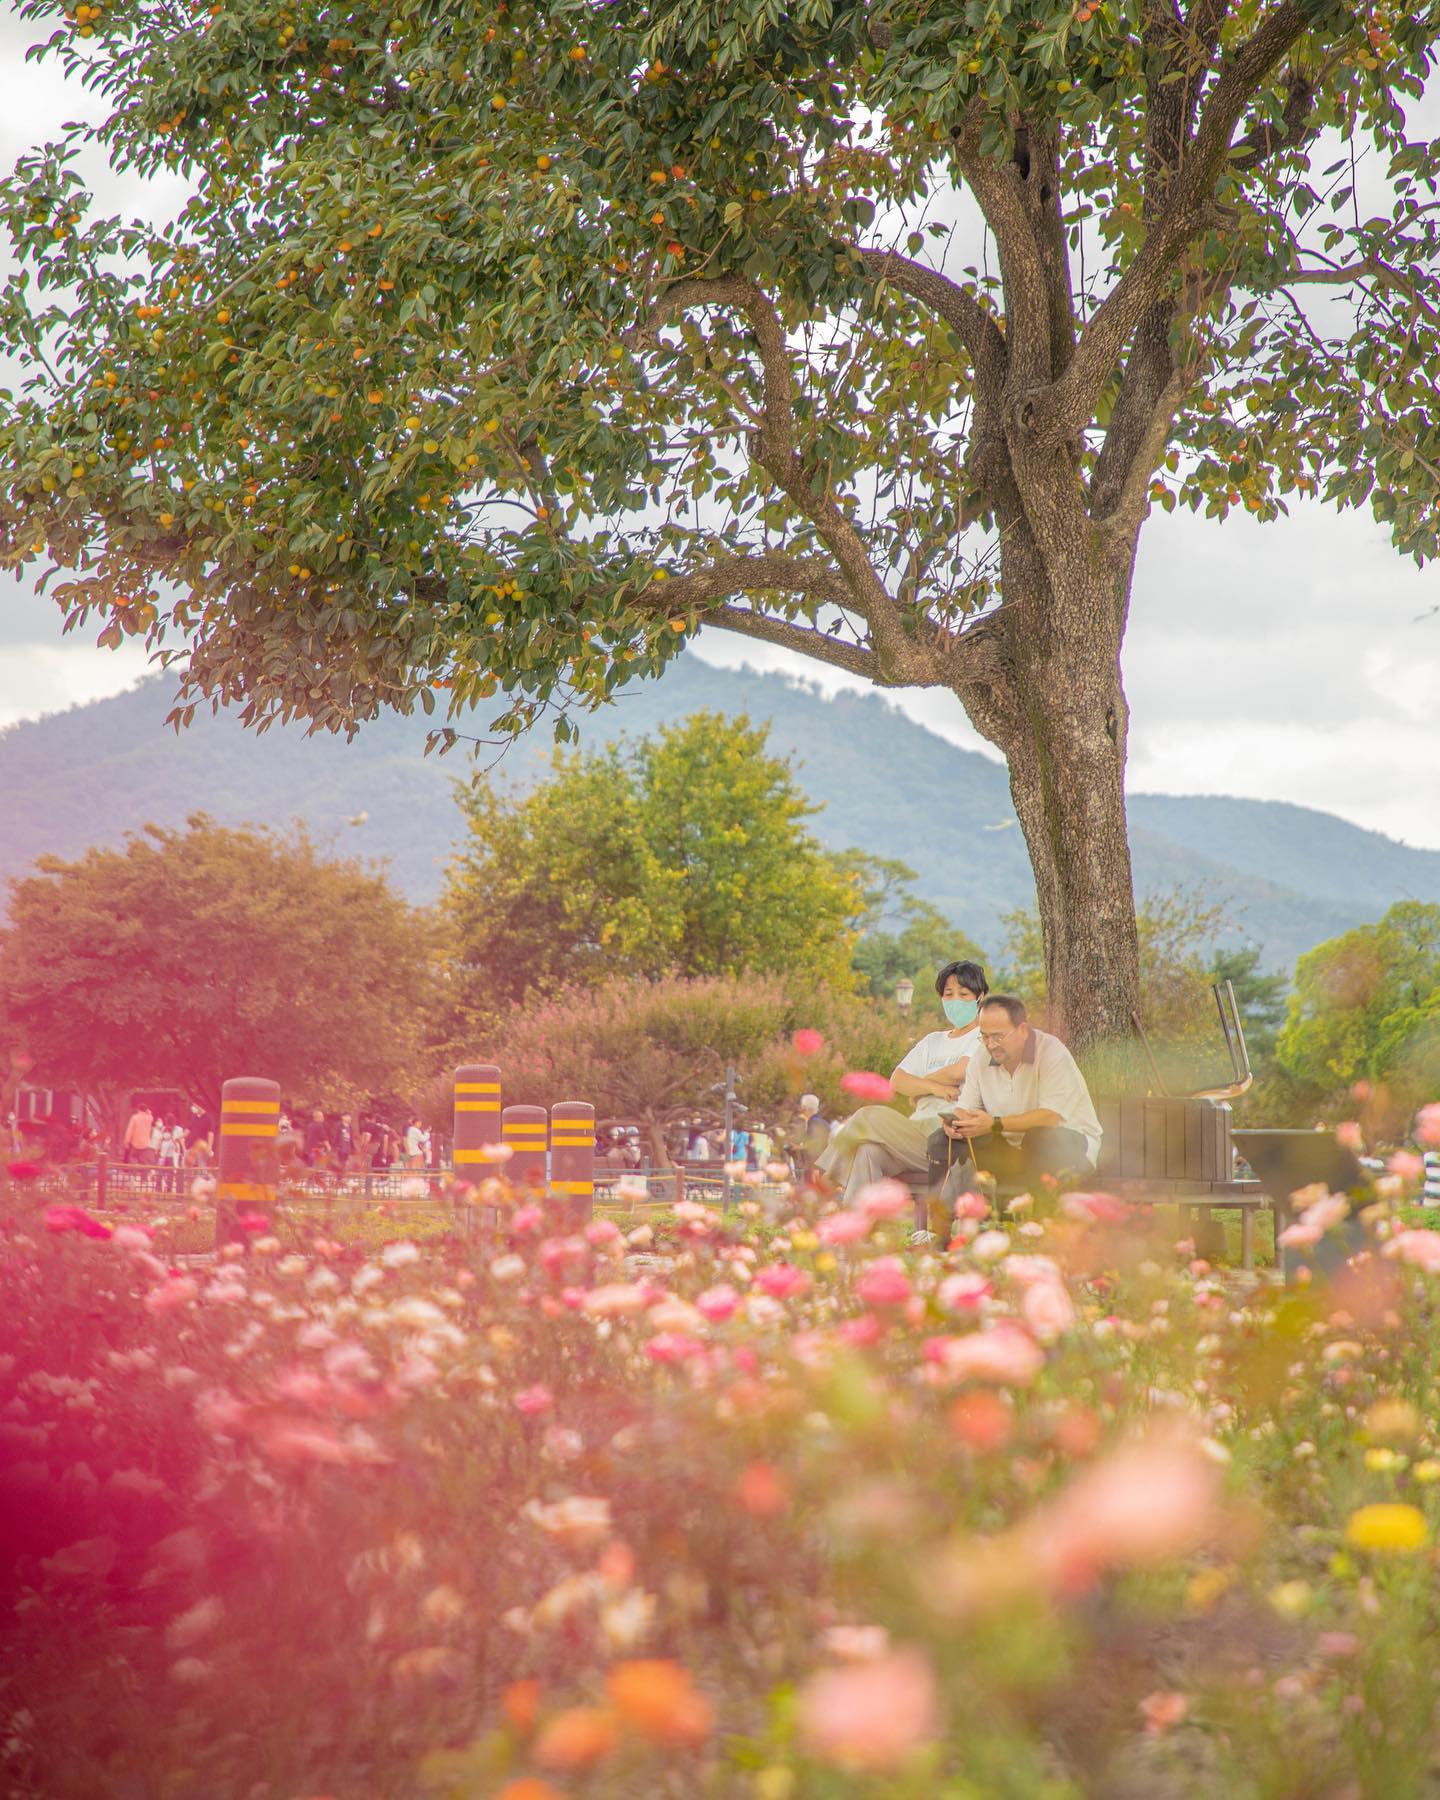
[248, 1160]
[477, 1120]
[572, 1160]
[526, 1130]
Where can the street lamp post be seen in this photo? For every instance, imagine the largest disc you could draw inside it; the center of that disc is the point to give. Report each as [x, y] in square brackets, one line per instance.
[904, 992]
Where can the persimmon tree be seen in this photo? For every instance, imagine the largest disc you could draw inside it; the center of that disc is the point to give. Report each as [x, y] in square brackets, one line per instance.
[501, 348]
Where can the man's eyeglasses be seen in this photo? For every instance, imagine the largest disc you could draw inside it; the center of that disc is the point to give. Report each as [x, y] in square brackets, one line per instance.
[991, 1038]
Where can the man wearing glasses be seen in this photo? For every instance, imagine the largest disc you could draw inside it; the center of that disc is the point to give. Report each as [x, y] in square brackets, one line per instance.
[1023, 1111]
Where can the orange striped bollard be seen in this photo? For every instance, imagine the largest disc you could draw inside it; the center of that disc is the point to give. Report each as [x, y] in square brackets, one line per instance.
[477, 1119]
[527, 1131]
[248, 1158]
[572, 1160]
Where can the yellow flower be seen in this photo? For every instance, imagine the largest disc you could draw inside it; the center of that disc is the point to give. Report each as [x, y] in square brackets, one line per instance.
[1427, 1471]
[1387, 1526]
[1291, 1599]
[1384, 1461]
[1205, 1587]
[1392, 1421]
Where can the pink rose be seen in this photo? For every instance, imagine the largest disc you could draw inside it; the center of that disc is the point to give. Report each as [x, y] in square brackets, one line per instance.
[840, 1228]
[616, 1300]
[1427, 1126]
[782, 1281]
[869, 1716]
[1421, 1248]
[60, 1219]
[717, 1303]
[672, 1347]
[884, 1283]
[1102, 1209]
[533, 1400]
[885, 1200]
[963, 1293]
[972, 1206]
[1046, 1309]
[1004, 1355]
[865, 1085]
[808, 1043]
[1145, 1504]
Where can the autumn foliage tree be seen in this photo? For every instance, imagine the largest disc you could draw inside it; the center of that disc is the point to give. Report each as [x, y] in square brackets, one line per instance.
[499, 350]
[186, 957]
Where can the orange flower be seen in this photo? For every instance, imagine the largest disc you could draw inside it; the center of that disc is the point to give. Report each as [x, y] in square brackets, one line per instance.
[577, 1738]
[762, 1490]
[656, 1699]
[529, 1787]
[521, 1704]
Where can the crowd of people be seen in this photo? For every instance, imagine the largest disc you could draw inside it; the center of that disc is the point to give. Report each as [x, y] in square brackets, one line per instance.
[341, 1144]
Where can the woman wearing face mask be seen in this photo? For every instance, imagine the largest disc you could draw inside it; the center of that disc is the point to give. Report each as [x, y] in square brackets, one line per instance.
[878, 1141]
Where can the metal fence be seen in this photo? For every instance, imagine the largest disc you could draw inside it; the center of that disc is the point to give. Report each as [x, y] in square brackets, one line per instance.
[105, 1185]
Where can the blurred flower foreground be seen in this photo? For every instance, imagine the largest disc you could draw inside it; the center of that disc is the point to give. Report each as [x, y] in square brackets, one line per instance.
[766, 1504]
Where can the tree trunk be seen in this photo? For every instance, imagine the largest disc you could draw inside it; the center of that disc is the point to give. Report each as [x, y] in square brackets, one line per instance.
[1060, 716]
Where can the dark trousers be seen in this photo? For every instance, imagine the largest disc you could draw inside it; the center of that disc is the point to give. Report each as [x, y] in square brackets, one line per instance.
[1048, 1150]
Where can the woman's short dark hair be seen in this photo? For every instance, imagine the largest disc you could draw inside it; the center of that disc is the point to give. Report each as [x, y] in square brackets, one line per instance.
[968, 974]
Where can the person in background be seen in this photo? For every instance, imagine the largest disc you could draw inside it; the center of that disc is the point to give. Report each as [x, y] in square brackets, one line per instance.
[345, 1144]
[878, 1141]
[135, 1144]
[741, 1147]
[317, 1138]
[414, 1144]
[1023, 1113]
[808, 1135]
[171, 1154]
[199, 1138]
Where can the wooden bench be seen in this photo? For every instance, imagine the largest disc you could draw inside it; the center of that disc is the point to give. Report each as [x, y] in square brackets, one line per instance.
[1165, 1152]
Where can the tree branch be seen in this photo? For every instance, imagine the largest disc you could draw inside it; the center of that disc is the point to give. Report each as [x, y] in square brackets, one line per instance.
[997, 190]
[774, 450]
[976, 328]
[1058, 412]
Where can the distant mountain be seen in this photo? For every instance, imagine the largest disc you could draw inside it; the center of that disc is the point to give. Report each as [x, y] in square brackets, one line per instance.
[1288, 876]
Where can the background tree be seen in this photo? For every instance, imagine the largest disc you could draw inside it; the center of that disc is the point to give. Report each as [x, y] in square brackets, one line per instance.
[504, 350]
[901, 935]
[647, 1053]
[654, 1053]
[684, 853]
[190, 956]
[1366, 1009]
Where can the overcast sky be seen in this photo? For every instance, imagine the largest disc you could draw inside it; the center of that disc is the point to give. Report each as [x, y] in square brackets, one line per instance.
[1297, 661]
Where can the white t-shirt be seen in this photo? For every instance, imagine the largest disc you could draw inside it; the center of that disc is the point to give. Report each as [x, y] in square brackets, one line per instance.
[1046, 1078]
[937, 1050]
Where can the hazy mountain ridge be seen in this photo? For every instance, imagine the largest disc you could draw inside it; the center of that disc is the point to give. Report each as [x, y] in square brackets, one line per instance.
[1291, 875]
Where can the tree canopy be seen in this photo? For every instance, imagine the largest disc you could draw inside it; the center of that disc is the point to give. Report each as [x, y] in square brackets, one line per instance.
[684, 853]
[1366, 1008]
[498, 350]
[191, 956]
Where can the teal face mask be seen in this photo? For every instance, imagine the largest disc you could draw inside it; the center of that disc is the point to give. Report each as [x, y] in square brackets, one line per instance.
[961, 1012]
